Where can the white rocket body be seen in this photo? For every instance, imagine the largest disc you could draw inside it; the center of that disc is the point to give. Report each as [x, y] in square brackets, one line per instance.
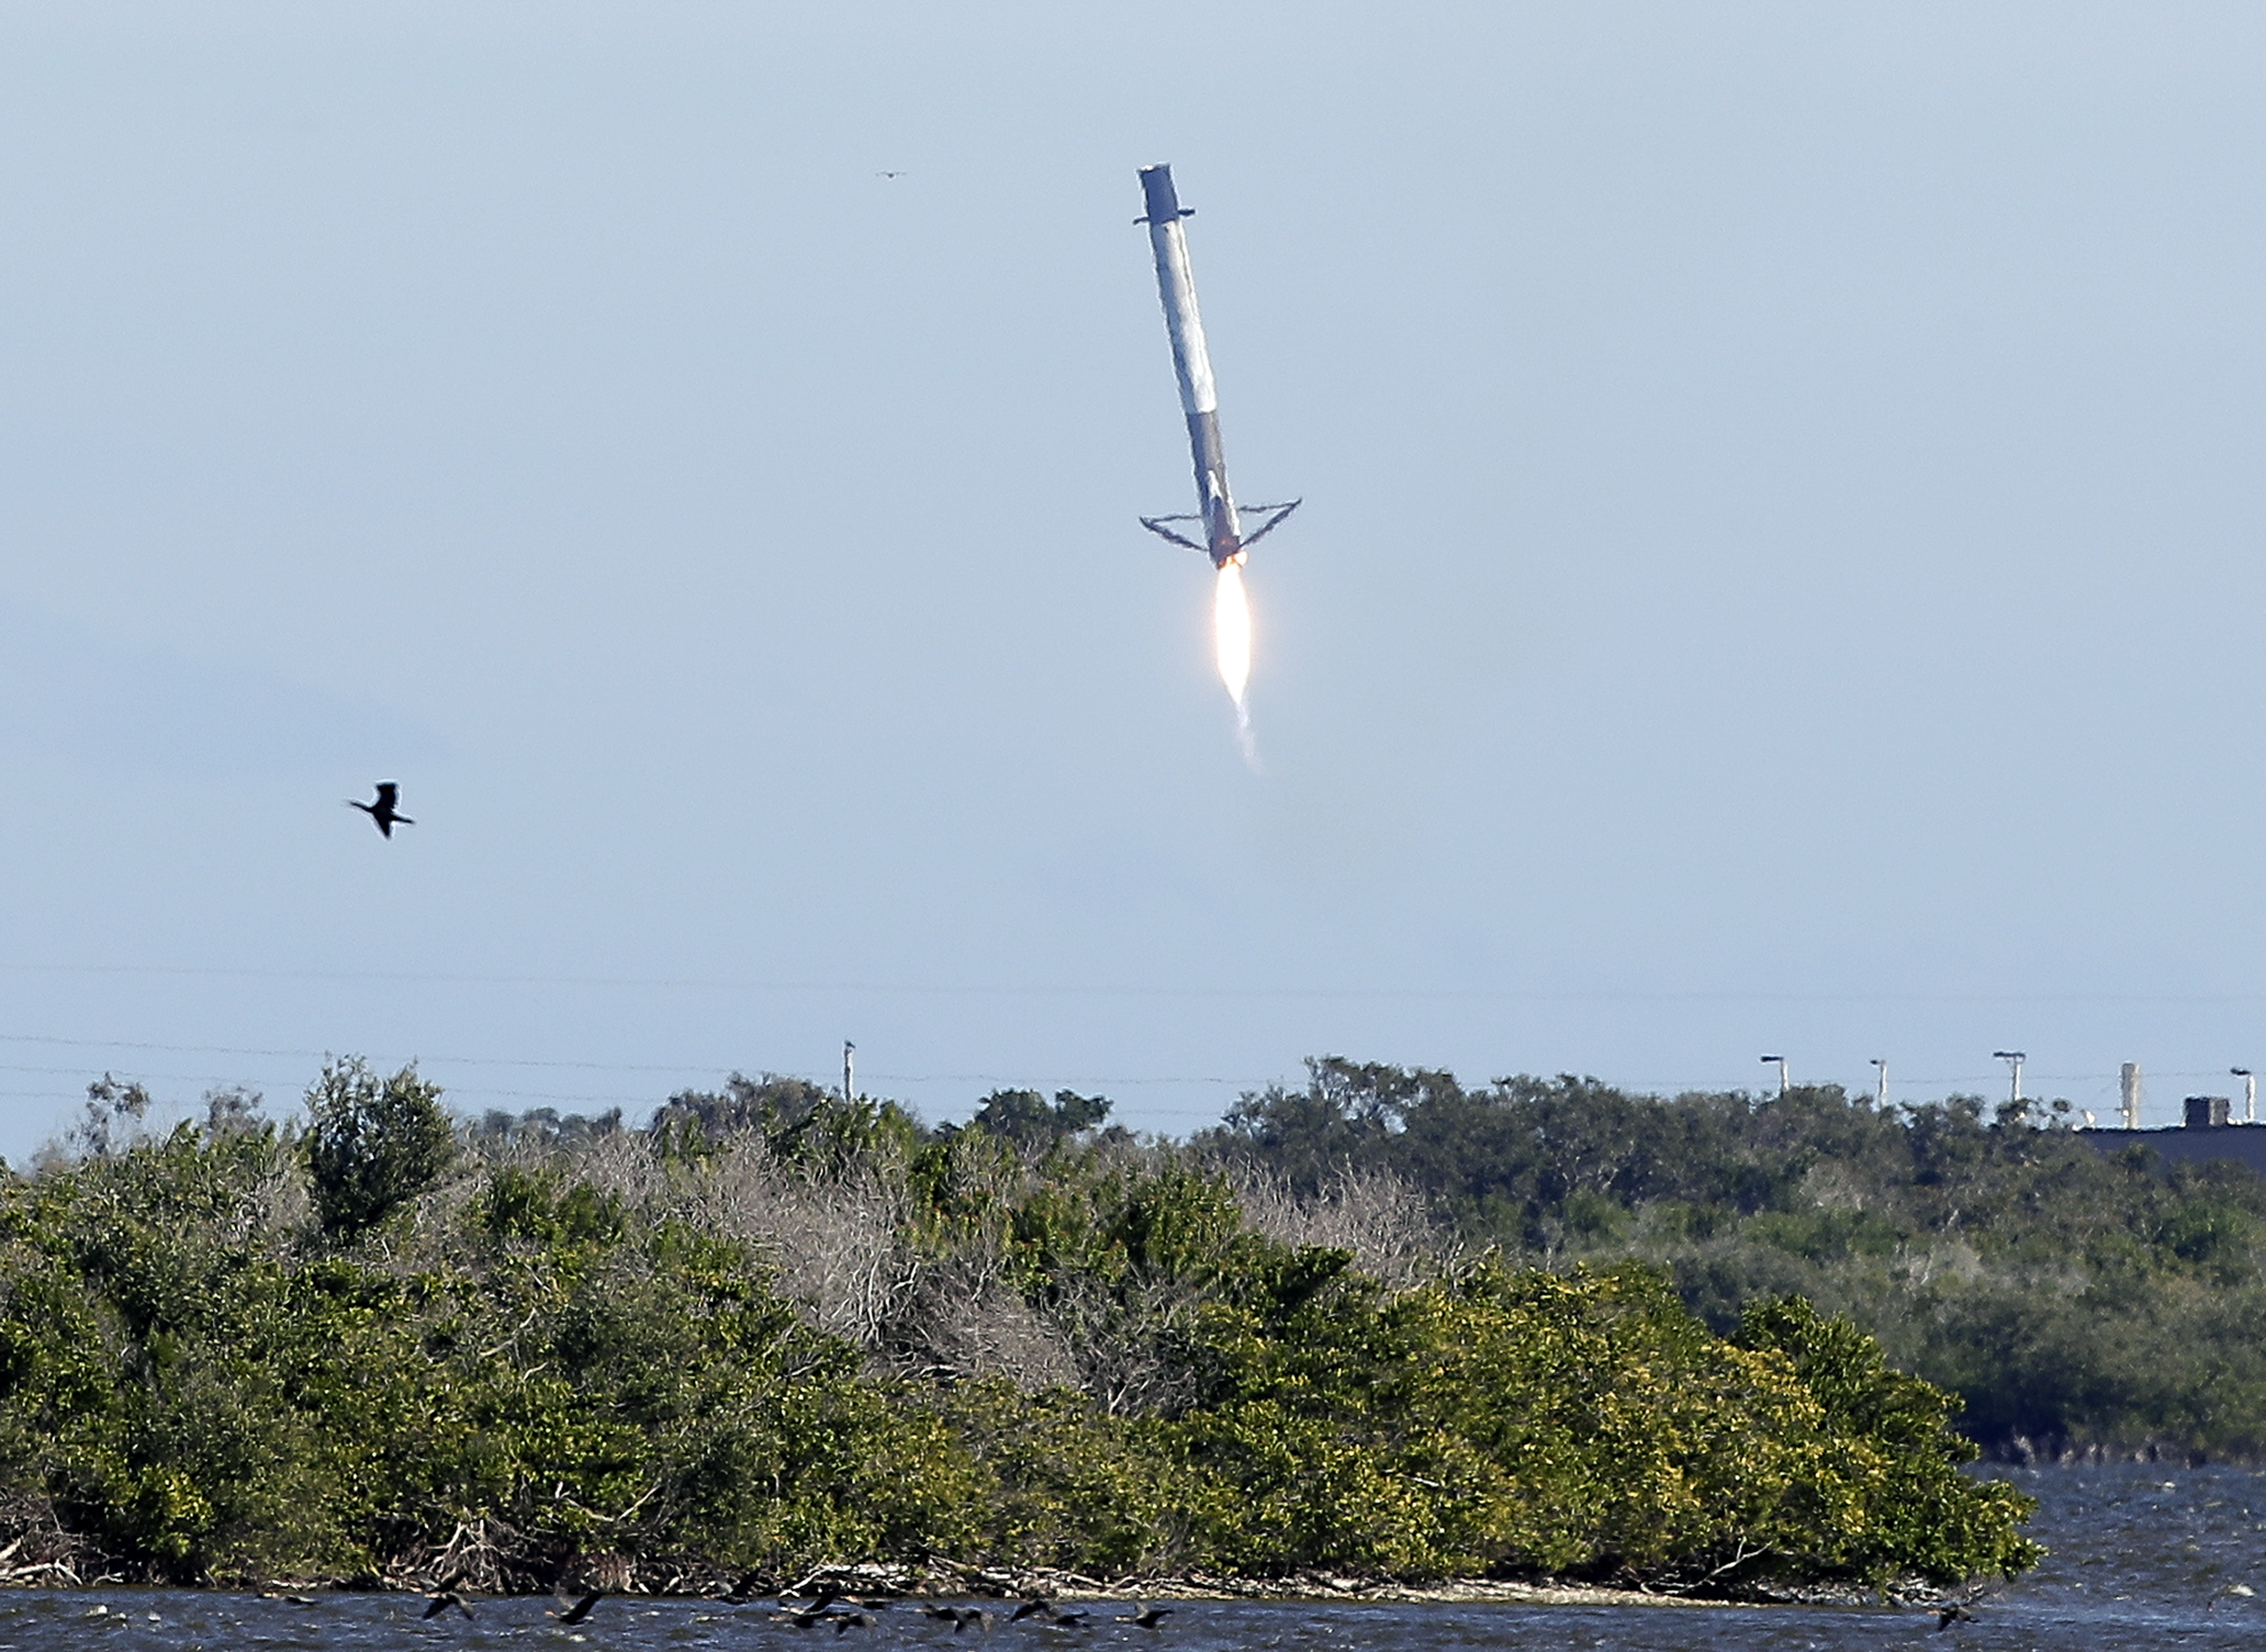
[1192, 366]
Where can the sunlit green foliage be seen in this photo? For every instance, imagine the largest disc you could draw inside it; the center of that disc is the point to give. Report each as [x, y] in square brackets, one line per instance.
[1027, 1118]
[242, 1352]
[373, 1144]
[2072, 1299]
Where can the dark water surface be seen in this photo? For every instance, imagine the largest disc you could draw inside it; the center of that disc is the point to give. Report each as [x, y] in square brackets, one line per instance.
[2143, 1556]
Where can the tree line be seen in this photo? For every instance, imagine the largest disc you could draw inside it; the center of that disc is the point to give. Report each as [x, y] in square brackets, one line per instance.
[773, 1329]
[2078, 1301]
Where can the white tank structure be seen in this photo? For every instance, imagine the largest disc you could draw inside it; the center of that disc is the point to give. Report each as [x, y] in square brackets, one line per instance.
[1225, 542]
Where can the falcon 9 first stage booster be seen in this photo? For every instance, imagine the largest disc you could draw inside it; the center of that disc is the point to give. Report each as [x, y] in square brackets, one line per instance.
[1225, 542]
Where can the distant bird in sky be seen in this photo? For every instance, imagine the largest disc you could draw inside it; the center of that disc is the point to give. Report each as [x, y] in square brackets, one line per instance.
[383, 811]
[889, 174]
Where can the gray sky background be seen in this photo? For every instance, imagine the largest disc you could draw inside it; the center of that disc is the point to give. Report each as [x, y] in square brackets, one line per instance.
[1779, 568]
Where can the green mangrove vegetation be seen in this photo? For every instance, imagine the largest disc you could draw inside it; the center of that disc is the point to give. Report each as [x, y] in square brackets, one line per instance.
[773, 1329]
[2077, 1301]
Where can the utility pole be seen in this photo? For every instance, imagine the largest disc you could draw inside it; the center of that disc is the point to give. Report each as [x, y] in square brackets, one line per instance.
[2013, 1058]
[1881, 1090]
[1779, 1063]
[849, 1070]
[2249, 1093]
[2128, 1090]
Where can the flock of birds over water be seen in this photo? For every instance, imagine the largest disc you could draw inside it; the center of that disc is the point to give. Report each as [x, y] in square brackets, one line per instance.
[828, 1608]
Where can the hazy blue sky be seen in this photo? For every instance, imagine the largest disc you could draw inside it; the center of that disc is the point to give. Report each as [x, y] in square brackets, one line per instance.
[1780, 568]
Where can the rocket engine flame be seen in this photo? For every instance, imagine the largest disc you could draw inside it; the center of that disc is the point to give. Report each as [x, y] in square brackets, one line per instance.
[1231, 613]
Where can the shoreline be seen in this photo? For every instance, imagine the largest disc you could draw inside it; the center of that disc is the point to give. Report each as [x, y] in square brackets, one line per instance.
[885, 1585]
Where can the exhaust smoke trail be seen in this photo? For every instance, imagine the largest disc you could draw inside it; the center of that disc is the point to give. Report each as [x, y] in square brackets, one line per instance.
[1231, 613]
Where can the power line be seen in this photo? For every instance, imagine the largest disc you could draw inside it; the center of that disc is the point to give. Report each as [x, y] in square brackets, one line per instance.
[583, 1066]
[324, 1055]
[686, 1067]
[1107, 989]
[687, 1074]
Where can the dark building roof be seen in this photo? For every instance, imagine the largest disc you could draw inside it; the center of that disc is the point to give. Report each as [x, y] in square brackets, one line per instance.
[2244, 1143]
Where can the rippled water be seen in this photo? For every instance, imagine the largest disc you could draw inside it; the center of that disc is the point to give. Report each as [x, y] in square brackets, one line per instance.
[2143, 1557]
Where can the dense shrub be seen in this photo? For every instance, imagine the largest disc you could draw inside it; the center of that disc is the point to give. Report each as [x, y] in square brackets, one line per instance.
[575, 1343]
[373, 1144]
[2073, 1299]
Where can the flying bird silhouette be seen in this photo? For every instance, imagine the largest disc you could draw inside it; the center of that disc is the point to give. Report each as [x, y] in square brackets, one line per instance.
[581, 1609]
[444, 1592]
[383, 811]
[1150, 1617]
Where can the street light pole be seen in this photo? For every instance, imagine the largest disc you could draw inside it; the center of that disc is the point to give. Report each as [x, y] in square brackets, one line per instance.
[1779, 1063]
[849, 1070]
[2013, 1058]
[2249, 1093]
[1881, 1090]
